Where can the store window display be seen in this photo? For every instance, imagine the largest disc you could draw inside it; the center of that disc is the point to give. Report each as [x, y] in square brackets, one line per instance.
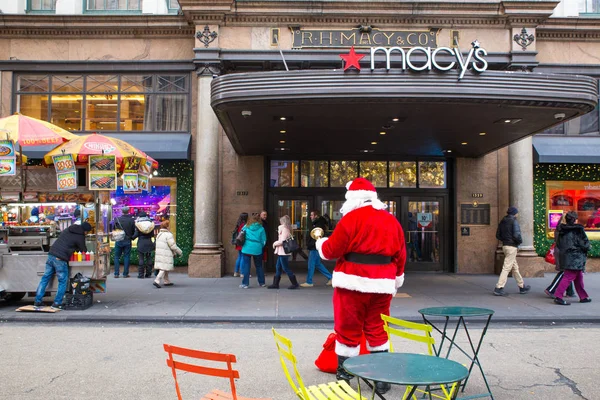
[579, 196]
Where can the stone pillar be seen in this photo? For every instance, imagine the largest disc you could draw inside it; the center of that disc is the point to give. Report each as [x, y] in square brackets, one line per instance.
[520, 176]
[206, 260]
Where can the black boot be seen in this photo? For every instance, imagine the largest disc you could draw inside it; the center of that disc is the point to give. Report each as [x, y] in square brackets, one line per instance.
[148, 271]
[276, 280]
[382, 387]
[341, 373]
[140, 271]
[294, 282]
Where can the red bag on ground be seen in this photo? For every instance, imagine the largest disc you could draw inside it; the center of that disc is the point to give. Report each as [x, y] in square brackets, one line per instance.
[550, 255]
[327, 360]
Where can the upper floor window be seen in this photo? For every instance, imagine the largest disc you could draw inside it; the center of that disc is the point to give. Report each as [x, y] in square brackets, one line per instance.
[114, 5]
[589, 6]
[173, 5]
[110, 102]
[41, 5]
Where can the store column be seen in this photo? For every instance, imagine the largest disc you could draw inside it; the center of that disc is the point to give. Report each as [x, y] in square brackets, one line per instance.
[520, 173]
[206, 260]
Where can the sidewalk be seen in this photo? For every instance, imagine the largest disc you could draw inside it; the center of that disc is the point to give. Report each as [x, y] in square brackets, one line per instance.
[194, 300]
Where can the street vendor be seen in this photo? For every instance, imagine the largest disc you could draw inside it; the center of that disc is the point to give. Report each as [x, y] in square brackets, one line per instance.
[34, 217]
[70, 240]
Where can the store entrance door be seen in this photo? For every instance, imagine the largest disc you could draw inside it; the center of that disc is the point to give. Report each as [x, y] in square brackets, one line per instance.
[423, 221]
[298, 209]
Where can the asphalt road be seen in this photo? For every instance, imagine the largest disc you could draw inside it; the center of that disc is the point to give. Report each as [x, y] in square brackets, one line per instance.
[117, 361]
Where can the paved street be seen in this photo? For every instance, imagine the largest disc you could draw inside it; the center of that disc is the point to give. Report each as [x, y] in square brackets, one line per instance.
[126, 361]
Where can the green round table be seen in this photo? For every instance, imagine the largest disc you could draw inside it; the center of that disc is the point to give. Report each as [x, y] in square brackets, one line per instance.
[405, 369]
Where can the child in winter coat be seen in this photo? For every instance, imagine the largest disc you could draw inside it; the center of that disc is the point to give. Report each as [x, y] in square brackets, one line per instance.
[166, 248]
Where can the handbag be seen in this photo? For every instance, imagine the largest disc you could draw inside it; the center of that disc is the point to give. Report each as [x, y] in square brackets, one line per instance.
[241, 238]
[290, 245]
[550, 255]
[118, 234]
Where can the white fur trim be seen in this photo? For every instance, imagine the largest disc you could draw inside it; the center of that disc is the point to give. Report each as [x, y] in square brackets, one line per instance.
[383, 347]
[361, 194]
[348, 185]
[346, 351]
[362, 284]
[319, 246]
[399, 281]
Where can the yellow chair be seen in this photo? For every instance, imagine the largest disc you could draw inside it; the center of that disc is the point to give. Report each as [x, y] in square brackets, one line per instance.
[339, 390]
[422, 335]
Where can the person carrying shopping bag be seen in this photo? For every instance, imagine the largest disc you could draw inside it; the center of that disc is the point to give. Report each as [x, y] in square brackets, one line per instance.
[166, 249]
[285, 232]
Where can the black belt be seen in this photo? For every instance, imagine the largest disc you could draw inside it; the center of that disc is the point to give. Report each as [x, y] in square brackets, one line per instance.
[370, 259]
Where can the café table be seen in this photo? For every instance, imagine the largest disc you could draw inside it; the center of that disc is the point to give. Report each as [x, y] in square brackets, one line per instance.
[460, 313]
[405, 369]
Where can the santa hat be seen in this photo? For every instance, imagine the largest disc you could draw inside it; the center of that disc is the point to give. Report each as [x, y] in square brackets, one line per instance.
[360, 189]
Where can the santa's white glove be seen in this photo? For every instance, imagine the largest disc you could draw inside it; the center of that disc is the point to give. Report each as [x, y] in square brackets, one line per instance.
[399, 281]
[319, 246]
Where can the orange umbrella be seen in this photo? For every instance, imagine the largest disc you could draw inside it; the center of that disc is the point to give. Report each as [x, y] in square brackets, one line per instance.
[81, 147]
[27, 131]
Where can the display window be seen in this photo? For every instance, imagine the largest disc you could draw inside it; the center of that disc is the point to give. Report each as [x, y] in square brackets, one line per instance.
[578, 196]
[159, 203]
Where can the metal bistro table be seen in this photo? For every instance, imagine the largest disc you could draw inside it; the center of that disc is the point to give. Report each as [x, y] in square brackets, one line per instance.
[405, 369]
[461, 313]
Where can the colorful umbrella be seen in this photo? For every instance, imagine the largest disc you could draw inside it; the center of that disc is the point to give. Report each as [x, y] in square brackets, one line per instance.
[81, 147]
[27, 131]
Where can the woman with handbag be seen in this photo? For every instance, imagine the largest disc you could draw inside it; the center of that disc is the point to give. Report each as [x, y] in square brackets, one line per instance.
[285, 238]
[166, 249]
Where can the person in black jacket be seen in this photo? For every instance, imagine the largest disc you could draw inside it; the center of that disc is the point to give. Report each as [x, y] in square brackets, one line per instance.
[126, 223]
[509, 233]
[314, 260]
[573, 247]
[144, 233]
[70, 240]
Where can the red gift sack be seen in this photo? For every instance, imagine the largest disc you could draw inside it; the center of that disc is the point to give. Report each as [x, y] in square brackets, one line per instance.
[327, 360]
[550, 255]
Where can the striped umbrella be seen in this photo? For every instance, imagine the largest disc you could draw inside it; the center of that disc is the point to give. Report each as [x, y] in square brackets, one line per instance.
[27, 131]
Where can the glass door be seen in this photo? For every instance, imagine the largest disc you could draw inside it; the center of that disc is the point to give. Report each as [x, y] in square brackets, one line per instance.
[423, 221]
[298, 209]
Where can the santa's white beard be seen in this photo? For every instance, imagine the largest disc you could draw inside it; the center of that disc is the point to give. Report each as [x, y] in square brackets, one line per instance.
[353, 204]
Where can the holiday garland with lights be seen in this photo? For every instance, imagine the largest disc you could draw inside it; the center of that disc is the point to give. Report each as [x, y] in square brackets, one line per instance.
[557, 172]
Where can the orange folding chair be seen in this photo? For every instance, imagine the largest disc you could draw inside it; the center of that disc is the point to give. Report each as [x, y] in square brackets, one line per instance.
[228, 372]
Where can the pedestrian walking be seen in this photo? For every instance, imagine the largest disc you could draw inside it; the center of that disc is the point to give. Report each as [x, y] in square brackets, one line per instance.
[314, 260]
[254, 242]
[560, 271]
[145, 244]
[166, 249]
[573, 245]
[127, 224]
[284, 232]
[509, 233]
[241, 222]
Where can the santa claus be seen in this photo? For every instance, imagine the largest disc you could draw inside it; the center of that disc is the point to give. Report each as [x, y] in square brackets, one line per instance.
[368, 243]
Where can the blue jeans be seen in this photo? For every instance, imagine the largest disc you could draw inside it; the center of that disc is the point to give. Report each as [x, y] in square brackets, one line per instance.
[246, 269]
[239, 262]
[282, 265]
[124, 246]
[314, 261]
[61, 269]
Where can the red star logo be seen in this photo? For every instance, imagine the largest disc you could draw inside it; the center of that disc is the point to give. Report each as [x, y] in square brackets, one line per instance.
[352, 59]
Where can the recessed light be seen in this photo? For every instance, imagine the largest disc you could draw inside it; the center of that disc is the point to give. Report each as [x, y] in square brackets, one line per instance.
[282, 131]
[281, 149]
[464, 143]
[282, 141]
[506, 121]
[382, 133]
[366, 151]
[447, 151]
[481, 133]
[395, 119]
[373, 142]
[282, 118]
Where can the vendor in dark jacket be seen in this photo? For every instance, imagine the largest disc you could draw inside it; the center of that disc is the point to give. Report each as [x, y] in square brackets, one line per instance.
[70, 240]
[127, 223]
[509, 233]
[573, 247]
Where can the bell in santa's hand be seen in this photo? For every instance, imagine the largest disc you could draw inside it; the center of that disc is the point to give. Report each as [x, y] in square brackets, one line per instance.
[317, 233]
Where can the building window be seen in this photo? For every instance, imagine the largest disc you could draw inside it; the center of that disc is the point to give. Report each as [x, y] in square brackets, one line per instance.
[41, 5]
[284, 174]
[589, 6]
[173, 5]
[315, 174]
[112, 103]
[432, 174]
[114, 5]
[580, 196]
[403, 174]
[375, 172]
[343, 172]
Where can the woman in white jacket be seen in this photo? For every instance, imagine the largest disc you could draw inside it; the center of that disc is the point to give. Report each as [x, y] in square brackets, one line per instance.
[285, 232]
[166, 248]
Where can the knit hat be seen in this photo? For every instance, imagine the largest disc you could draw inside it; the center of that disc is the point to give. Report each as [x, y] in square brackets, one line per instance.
[361, 189]
[512, 211]
[86, 226]
[35, 212]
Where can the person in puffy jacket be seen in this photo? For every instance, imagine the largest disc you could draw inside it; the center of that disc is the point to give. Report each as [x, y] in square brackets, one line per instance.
[254, 242]
[145, 245]
[70, 240]
[573, 247]
[166, 248]
[285, 232]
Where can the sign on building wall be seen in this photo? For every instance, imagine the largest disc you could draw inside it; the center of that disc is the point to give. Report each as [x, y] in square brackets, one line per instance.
[475, 214]
[364, 36]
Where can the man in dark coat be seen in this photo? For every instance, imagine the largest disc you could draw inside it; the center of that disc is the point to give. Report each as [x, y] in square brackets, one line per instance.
[145, 245]
[509, 233]
[70, 240]
[314, 259]
[127, 224]
[573, 247]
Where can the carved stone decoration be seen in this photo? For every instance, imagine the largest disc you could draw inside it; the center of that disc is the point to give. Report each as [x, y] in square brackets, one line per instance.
[206, 36]
[209, 68]
[524, 40]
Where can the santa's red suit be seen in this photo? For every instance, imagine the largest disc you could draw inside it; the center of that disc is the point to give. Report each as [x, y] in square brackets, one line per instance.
[368, 243]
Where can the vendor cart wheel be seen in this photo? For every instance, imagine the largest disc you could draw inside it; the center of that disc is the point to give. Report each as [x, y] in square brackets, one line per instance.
[12, 297]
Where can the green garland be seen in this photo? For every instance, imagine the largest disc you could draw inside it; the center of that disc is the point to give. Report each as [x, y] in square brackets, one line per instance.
[557, 172]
